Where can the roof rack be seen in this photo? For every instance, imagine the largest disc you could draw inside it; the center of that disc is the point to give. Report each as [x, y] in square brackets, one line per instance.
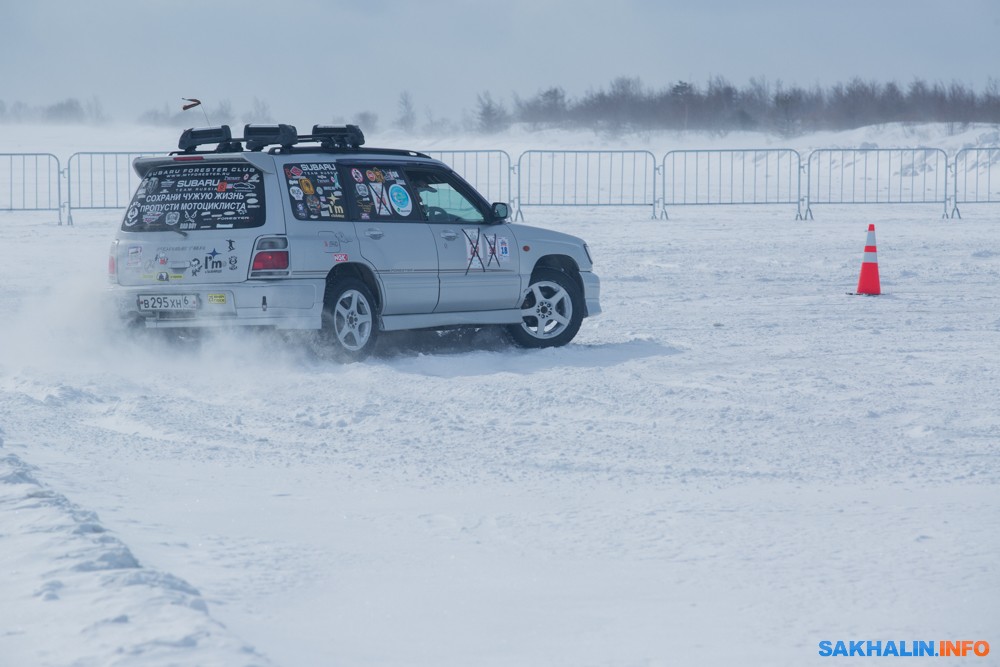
[193, 137]
[259, 136]
[330, 136]
[282, 138]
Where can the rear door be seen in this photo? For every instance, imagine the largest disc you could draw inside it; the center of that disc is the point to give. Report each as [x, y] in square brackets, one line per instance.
[193, 222]
[393, 236]
[320, 231]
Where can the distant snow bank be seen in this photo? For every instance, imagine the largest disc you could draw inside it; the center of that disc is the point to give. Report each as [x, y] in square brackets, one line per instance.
[63, 141]
[64, 570]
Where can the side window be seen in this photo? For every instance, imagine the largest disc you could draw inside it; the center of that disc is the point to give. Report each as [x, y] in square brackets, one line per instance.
[440, 195]
[314, 191]
[379, 193]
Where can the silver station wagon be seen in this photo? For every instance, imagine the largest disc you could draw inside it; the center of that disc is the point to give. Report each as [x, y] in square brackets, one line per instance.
[290, 231]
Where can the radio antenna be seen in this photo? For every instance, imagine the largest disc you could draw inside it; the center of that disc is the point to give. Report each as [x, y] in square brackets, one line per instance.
[192, 103]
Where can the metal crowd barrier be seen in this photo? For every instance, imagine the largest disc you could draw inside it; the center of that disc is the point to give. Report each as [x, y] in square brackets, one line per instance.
[974, 182]
[101, 180]
[30, 182]
[749, 176]
[877, 176]
[489, 171]
[585, 178]
[105, 180]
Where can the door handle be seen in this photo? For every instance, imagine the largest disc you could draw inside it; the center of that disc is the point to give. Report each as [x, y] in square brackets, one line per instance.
[374, 233]
[449, 235]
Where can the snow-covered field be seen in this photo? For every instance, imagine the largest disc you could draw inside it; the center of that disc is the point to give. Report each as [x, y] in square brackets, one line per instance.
[735, 461]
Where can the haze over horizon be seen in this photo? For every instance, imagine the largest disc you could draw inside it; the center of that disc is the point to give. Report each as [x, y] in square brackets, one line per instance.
[319, 62]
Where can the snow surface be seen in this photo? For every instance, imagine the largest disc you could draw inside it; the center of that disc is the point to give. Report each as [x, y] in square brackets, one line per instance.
[735, 461]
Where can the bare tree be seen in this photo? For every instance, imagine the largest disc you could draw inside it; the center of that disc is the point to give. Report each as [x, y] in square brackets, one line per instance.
[222, 114]
[95, 112]
[260, 112]
[407, 119]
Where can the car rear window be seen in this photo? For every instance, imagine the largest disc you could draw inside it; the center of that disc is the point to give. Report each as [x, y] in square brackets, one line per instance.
[186, 197]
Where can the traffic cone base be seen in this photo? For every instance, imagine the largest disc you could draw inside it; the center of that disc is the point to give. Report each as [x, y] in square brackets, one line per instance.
[868, 282]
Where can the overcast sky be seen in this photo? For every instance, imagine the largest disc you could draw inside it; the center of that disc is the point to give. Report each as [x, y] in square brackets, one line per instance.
[312, 61]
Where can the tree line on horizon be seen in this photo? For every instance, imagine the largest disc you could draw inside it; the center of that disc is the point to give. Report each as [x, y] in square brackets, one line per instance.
[719, 106]
[628, 106]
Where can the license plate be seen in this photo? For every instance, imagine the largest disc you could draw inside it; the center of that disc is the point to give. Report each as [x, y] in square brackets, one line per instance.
[168, 302]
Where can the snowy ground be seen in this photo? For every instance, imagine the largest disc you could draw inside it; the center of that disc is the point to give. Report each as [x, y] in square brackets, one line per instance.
[735, 461]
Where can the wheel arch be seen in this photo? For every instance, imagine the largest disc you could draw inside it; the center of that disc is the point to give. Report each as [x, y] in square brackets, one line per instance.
[563, 263]
[360, 272]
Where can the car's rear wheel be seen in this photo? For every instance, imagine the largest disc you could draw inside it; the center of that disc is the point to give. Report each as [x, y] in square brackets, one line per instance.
[350, 322]
[551, 312]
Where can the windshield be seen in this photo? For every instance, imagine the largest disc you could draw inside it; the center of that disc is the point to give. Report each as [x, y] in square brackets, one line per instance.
[186, 197]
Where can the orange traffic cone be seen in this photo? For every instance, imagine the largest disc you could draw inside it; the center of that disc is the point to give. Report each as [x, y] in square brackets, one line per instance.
[868, 281]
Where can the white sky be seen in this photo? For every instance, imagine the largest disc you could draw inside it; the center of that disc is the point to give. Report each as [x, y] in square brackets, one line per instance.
[312, 61]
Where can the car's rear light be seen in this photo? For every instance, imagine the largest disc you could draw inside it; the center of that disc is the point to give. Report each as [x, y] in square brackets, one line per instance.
[270, 260]
[188, 158]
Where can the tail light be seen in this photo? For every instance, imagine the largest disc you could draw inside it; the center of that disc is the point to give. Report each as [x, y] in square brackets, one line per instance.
[270, 259]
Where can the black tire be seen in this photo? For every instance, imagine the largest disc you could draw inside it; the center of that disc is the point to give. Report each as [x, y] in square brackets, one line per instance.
[350, 319]
[552, 311]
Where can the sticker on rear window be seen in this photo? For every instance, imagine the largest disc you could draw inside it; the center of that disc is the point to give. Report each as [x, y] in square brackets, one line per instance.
[185, 197]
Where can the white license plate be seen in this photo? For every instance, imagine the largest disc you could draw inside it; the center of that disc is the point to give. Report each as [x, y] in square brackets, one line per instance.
[168, 302]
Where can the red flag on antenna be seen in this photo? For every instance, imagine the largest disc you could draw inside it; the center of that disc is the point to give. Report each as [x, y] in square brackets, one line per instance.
[194, 102]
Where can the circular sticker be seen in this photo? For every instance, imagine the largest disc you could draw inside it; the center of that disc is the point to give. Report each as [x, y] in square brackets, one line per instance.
[173, 218]
[357, 175]
[400, 199]
[296, 192]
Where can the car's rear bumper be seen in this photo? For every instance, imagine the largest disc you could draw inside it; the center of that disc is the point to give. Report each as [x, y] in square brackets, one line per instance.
[283, 305]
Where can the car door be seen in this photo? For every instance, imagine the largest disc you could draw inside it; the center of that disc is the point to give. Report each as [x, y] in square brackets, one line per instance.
[477, 260]
[393, 236]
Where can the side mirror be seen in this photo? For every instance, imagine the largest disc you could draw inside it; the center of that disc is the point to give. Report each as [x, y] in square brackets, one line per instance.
[500, 211]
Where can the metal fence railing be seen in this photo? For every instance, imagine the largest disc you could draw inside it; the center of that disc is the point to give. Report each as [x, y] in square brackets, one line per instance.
[489, 171]
[586, 178]
[849, 176]
[877, 176]
[30, 182]
[748, 176]
[101, 180]
[973, 177]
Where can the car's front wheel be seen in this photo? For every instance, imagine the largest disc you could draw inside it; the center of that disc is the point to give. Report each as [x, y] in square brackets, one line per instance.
[350, 323]
[551, 312]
